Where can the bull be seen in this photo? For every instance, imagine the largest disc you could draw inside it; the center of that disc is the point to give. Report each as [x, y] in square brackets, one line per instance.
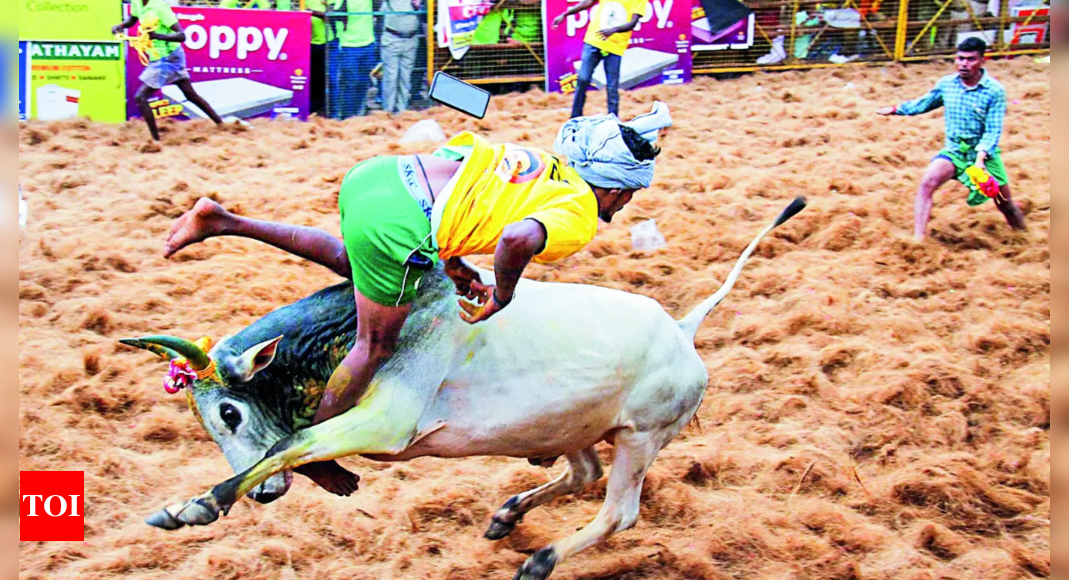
[564, 368]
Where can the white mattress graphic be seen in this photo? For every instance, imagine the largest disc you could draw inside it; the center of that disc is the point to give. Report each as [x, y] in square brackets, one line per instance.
[639, 65]
[238, 97]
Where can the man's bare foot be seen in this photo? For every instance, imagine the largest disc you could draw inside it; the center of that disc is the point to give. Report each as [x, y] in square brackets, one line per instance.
[205, 220]
[331, 477]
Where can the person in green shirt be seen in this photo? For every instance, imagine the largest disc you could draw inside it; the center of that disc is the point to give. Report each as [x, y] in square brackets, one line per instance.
[167, 60]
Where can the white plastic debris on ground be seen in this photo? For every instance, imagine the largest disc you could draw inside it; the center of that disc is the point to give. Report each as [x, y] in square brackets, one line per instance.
[646, 237]
[24, 211]
[425, 130]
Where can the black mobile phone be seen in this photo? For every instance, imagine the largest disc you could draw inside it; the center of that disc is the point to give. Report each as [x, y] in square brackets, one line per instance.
[457, 94]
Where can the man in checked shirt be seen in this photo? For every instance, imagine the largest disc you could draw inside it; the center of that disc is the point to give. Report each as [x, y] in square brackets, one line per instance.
[975, 111]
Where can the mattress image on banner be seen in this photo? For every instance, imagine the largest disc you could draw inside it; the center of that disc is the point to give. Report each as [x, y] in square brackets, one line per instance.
[245, 63]
[640, 66]
[238, 97]
[659, 52]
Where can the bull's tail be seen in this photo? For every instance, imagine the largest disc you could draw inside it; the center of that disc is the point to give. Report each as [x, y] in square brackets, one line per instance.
[694, 320]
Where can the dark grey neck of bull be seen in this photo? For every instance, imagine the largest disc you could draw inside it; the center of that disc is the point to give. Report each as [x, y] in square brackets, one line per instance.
[319, 331]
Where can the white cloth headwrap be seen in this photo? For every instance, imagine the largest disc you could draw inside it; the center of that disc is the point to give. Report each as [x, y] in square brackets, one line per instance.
[597, 151]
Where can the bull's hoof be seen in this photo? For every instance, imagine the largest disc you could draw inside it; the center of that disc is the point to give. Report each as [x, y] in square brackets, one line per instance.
[499, 530]
[539, 566]
[165, 519]
[199, 512]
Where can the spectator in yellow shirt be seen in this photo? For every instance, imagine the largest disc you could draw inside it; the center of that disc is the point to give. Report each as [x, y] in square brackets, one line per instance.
[607, 38]
[401, 215]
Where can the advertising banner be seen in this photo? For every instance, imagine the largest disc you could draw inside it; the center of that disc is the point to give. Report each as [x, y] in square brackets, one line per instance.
[458, 20]
[659, 52]
[24, 80]
[245, 63]
[68, 19]
[76, 79]
[722, 25]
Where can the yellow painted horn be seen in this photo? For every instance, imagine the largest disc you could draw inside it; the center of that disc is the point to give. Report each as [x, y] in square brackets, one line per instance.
[167, 345]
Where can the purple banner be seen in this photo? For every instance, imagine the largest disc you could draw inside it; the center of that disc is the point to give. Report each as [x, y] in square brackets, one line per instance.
[659, 52]
[245, 63]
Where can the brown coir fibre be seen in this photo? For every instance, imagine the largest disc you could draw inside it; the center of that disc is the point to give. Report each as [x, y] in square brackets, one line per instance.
[911, 382]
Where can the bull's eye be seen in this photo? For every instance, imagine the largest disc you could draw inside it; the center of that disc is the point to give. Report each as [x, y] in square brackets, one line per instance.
[231, 416]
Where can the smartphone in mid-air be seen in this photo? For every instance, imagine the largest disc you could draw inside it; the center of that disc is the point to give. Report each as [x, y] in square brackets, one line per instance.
[457, 94]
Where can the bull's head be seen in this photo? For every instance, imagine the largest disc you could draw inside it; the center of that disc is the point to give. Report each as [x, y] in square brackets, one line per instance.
[220, 386]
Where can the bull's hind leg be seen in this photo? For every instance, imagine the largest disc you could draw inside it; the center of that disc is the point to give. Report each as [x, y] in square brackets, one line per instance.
[634, 454]
[584, 468]
[384, 424]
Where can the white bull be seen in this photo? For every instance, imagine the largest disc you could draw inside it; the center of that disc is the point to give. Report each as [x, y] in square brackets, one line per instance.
[563, 368]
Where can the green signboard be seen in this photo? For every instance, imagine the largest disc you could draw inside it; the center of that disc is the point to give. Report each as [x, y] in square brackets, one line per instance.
[77, 79]
[68, 19]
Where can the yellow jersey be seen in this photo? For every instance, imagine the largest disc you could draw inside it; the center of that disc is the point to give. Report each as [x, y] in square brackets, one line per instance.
[610, 14]
[499, 185]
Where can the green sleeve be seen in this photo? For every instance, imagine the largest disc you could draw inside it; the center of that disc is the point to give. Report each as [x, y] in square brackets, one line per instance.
[454, 153]
[284, 5]
[167, 17]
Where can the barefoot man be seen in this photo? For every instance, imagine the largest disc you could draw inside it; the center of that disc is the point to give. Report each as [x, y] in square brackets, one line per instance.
[400, 215]
[167, 60]
[975, 111]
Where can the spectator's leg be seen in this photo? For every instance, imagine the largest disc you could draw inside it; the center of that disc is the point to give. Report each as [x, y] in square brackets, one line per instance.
[350, 82]
[143, 95]
[591, 58]
[334, 79]
[404, 83]
[391, 72]
[318, 82]
[186, 86]
[612, 76]
[366, 58]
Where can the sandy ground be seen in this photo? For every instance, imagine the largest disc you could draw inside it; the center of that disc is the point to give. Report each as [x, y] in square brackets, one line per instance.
[911, 382]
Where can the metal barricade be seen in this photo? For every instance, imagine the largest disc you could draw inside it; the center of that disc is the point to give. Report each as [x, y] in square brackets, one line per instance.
[389, 74]
[933, 28]
[794, 34]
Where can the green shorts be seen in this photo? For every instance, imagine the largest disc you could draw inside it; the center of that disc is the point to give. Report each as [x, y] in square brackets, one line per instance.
[964, 158]
[387, 234]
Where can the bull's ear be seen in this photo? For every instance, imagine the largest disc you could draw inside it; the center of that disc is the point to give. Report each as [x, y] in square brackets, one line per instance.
[256, 359]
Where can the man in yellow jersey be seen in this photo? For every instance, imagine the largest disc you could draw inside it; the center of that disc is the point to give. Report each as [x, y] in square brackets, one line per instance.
[400, 215]
[607, 39]
[167, 60]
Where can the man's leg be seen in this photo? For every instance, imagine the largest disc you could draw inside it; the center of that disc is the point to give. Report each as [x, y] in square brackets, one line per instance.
[143, 95]
[939, 173]
[591, 58]
[335, 89]
[612, 75]
[1004, 202]
[1013, 214]
[318, 80]
[391, 71]
[186, 86]
[208, 219]
[367, 57]
[404, 83]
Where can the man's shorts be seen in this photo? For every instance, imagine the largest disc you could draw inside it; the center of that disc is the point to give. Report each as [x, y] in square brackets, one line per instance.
[166, 71]
[964, 158]
[387, 234]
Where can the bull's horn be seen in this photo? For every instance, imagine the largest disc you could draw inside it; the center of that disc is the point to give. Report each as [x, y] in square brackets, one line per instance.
[167, 345]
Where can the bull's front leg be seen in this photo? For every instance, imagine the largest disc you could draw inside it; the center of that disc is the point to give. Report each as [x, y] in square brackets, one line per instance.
[385, 423]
